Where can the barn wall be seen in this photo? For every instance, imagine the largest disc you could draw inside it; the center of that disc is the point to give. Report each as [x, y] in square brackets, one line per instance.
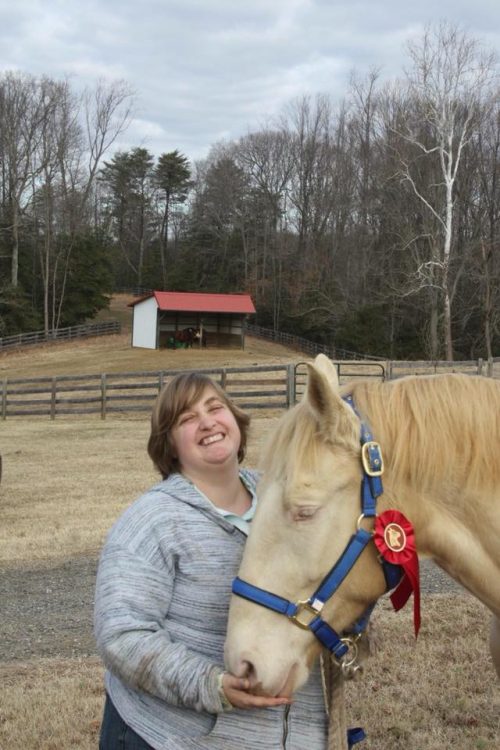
[223, 330]
[144, 324]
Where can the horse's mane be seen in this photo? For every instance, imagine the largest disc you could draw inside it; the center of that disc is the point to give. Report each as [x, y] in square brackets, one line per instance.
[435, 428]
[294, 437]
[430, 428]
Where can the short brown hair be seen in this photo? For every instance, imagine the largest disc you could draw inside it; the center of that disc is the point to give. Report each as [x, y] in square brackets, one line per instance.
[180, 394]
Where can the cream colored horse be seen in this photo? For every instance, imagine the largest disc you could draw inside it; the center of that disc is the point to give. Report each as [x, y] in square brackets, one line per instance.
[440, 438]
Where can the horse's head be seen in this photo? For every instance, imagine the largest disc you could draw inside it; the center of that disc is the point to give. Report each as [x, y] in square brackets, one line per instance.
[309, 506]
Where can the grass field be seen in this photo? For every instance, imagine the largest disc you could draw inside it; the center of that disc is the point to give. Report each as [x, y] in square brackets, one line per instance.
[63, 485]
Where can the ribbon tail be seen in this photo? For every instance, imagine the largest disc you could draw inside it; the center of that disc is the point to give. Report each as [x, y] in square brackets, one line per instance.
[409, 583]
[402, 593]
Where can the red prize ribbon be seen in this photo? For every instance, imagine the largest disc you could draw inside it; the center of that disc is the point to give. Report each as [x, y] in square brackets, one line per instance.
[395, 540]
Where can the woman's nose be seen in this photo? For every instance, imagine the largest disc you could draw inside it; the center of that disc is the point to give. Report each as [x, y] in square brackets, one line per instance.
[206, 421]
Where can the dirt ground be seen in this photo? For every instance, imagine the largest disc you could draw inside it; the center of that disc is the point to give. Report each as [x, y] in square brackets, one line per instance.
[47, 611]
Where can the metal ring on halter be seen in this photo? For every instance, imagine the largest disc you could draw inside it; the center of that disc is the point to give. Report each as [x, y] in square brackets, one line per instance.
[351, 656]
[360, 519]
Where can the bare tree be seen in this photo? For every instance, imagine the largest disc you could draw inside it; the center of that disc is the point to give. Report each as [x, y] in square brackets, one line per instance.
[310, 126]
[448, 81]
[24, 109]
[485, 211]
[267, 159]
[106, 111]
[74, 134]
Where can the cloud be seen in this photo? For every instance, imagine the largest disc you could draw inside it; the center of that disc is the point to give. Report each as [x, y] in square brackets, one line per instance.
[203, 68]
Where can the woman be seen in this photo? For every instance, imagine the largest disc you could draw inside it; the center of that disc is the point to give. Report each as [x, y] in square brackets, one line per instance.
[163, 591]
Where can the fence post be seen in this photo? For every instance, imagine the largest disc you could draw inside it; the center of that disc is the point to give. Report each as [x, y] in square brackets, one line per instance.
[4, 399]
[53, 398]
[489, 370]
[103, 395]
[223, 378]
[160, 380]
[480, 366]
[290, 385]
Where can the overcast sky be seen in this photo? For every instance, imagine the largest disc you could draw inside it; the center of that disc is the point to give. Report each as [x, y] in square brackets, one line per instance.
[211, 70]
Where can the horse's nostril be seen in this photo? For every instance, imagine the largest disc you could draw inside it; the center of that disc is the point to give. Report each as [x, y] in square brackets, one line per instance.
[248, 669]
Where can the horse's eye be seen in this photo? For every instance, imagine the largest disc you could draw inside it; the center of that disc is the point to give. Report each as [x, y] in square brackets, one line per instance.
[304, 512]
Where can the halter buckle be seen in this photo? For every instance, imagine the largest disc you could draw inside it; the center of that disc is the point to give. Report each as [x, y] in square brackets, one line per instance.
[313, 609]
[371, 458]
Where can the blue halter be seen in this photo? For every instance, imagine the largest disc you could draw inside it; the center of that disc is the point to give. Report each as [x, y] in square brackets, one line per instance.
[306, 614]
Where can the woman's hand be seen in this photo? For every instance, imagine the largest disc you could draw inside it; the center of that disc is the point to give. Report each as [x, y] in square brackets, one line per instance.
[237, 693]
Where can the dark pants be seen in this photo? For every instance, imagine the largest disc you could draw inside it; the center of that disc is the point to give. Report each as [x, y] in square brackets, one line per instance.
[116, 735]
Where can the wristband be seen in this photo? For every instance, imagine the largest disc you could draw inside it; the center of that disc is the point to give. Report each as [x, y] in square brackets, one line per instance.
[226, 703]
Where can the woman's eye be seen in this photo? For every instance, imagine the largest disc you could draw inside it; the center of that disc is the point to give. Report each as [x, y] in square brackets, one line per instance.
[185, 418]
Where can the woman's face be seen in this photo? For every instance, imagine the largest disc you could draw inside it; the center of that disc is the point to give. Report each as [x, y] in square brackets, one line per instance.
[206, 435]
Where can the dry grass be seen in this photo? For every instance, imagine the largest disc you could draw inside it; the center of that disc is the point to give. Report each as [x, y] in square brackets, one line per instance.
[64, 483]
[50, 704]
[436, 694]
[115, 354]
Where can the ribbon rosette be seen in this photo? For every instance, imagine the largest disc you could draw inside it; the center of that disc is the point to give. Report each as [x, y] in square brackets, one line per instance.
[395, 539]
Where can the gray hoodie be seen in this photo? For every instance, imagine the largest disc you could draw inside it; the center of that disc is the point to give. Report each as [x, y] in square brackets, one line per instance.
[162, 598]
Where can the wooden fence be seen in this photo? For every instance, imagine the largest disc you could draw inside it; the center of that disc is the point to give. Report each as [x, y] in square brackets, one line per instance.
[488, 367]
[305, 345]
[60, 334]
[258, 387]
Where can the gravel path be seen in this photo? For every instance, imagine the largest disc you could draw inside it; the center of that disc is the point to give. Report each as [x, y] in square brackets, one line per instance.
[47, 612]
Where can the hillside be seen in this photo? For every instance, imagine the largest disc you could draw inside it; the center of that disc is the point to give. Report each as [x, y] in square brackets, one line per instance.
[115, 354]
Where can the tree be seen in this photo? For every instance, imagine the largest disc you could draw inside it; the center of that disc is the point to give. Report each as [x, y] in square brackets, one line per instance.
[448, 81]
[25, 107]
[51, 143]
[267, 159]
[129, 179]
[172, 176]
[89, 279]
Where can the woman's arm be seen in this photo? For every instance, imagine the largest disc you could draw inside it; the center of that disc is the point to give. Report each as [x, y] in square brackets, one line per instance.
[131, 602]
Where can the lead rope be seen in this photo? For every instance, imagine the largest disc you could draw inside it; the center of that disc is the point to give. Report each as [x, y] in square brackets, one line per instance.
[333, 694]
[333, 679]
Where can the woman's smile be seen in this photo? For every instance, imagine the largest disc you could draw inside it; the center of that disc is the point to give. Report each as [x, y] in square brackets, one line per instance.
[212, 439]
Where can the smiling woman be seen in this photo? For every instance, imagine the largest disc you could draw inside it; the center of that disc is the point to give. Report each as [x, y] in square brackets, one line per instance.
[163, 591]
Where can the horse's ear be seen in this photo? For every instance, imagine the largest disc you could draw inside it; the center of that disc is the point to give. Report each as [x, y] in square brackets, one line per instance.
[335, 418]
[326, 366]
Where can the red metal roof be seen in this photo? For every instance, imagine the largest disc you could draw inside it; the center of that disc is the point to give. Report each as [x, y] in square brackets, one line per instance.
[201, 302]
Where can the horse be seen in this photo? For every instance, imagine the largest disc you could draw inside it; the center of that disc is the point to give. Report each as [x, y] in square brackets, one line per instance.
[187, 336]
[358, 482]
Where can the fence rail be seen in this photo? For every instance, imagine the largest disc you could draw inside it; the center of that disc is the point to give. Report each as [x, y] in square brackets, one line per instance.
[60, 334]
[488, 367]
[305, 345]
[257, 387]
[254, 387]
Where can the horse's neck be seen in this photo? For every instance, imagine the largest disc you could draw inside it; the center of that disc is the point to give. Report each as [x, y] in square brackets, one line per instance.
[461, 538]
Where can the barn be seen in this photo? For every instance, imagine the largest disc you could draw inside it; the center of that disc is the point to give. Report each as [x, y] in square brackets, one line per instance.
[219, 317]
